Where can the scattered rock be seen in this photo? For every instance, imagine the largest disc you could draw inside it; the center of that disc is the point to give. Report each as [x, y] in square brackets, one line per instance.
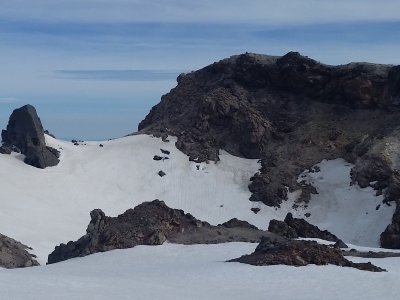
[156, 157]
[161, 173]
[299, 253]
[255, 210]
[101, 145]
[165, 151]
[294, 228]
[25, 131]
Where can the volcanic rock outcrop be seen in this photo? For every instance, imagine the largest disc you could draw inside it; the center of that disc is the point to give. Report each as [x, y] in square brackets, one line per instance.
[295, 228]
[152, 223]
[13, 254]
[299, 253]
[291, 112]
[25, 134]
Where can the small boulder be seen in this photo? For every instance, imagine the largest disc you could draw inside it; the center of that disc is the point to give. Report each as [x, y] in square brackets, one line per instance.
[340, 244]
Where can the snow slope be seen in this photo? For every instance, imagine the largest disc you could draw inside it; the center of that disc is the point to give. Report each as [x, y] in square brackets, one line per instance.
[43, 208]
[195, 272]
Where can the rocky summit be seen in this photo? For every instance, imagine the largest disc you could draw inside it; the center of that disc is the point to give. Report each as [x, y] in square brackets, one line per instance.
[25, 134]
[291, 112]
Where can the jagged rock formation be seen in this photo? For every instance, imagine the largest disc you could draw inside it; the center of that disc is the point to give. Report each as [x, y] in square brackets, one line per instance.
[25, 134]
[299, 253]
[295, 228]
[13, 254]
[152, 223]
[291, 112]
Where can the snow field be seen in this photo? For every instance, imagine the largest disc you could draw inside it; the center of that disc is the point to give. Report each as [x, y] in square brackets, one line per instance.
[43, 208]
[195, 272]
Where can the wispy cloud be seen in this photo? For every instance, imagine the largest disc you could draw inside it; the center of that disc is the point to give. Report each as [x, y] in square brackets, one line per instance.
[118, 75]
[8, 100]
[222, 11]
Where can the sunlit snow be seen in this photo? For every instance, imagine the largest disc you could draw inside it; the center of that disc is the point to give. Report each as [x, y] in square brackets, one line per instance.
[172, 272]
[43, 208]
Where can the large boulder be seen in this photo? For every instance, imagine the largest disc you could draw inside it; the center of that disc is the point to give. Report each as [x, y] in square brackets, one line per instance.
[25, 133]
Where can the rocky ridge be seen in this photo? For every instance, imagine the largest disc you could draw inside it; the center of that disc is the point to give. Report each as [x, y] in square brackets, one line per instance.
[152, 223]
[299, 253]
[299, 228]
[291, 112]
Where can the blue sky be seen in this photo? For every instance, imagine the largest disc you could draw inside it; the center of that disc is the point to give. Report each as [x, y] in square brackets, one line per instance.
[94, 68]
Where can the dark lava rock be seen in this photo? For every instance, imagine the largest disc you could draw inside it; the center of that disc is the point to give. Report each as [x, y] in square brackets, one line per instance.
[147, 224]
[340, 244]
[299, 253]
[13, 254]
[161, 173]
[165, 151]
[295, 228]
[5, 149]
[235, 223]
[390, 238]
[156, 157]
[370, 254]
[151, 223]
[25, 131]
[291, 112]
[49, 134]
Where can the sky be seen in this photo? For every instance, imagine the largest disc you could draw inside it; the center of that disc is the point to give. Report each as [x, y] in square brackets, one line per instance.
[94, 68]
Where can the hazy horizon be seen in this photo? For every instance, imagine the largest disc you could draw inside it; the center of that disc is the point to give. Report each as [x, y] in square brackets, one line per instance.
[93, 69]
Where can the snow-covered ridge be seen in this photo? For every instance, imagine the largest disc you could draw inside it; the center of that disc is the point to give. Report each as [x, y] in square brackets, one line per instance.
[45, 207]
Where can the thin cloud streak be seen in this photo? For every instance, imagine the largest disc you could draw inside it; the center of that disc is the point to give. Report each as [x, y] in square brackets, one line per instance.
[9, 100]
[221, 11]
[118, 75]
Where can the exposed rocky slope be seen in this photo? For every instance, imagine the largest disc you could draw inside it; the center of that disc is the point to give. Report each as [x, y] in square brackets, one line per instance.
[13, 254]
[296, 228]
[152, 223]
[25, 134]
[299, 253]
[292, 112]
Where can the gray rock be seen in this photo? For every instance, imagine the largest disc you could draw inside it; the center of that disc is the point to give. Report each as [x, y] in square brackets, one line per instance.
[25, 131]
[14, 254]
